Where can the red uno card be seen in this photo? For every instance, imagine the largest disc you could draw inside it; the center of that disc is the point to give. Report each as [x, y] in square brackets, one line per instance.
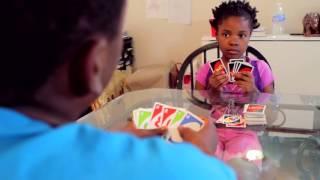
[217, 66]
[168, 115]
[245, 67]
[157, 114]
[254, 108]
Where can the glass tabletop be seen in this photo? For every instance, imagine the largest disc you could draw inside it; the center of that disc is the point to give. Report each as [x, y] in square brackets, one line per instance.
[289, 142]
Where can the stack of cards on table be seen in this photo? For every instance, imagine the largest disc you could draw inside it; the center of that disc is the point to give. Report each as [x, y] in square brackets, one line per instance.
[255, 114]
[232, 121]
[234, 66]
[170, 117]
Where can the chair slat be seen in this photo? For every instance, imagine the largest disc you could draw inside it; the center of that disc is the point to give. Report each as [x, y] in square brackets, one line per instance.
[205, 56]
[191, 77]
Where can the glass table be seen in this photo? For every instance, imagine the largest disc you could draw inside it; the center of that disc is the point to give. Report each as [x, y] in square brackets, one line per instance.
[290, 141]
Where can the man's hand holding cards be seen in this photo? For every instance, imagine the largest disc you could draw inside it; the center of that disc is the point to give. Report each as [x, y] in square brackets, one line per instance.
[165, 116]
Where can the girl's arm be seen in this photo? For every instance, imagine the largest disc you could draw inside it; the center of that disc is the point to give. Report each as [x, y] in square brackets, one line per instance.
[199, 86]
[269, 89]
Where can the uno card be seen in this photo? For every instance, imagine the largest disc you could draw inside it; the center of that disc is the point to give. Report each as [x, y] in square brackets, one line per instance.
[236, 60]
[246, 67]
[237, 64]
[156, 117]
[220, 120]
[135, 117]
[192, 121]
[173, 135]
[231, 67]
[217, 66]
[239, 125]
[141, 118]
[231, 119]
[238, 122]
[178, 117]
[254, 109]
[169, 114]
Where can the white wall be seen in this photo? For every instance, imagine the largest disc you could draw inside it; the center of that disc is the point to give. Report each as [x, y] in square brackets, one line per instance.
[158, 42]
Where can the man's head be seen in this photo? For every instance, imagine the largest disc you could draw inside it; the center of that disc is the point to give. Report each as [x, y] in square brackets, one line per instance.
[62, 48]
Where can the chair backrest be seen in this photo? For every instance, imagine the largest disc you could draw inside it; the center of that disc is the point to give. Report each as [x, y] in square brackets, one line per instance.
[189, 61]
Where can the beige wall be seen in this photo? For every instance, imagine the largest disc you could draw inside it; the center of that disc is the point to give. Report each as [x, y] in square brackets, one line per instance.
[158, 42]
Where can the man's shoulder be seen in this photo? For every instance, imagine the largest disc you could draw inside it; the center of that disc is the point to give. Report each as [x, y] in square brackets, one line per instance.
[150, 157]
[84, 151]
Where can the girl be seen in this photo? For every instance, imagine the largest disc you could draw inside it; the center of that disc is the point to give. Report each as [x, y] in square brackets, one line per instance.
[234, 22]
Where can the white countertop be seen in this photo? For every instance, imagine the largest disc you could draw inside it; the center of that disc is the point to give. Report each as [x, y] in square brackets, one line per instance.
[272, 38]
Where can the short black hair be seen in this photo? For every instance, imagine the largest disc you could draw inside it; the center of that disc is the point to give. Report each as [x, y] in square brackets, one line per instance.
[37, 35]
[240, 8]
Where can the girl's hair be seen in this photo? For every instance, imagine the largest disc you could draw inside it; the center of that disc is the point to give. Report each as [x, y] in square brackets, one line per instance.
[240, 8]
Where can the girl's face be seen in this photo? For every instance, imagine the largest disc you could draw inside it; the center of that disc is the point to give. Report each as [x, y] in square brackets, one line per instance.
[233, 36]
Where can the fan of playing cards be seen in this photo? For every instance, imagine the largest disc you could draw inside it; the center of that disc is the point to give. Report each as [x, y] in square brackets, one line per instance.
[234, 66]
[162, 115]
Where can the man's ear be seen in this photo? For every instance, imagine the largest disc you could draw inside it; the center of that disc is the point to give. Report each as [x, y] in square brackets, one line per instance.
[85, 70]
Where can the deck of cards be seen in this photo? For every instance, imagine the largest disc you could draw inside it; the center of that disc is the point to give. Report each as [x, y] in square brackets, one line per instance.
[170, 117]
[255, 114]
[232, 121]
[234, 66]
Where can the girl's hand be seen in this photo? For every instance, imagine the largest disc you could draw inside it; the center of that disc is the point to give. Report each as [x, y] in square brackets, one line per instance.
[217, 80]
[245, 80]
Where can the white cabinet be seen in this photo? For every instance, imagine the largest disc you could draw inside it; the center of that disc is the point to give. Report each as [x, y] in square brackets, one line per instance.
[295, 61]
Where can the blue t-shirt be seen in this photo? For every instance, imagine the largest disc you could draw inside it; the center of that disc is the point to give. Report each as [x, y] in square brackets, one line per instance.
[31, 149]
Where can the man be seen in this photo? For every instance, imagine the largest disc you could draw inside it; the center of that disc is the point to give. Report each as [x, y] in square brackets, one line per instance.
[58, 56]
